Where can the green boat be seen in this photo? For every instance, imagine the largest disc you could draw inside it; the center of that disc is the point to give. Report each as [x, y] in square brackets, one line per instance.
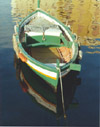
[42, 94]
[47, 46]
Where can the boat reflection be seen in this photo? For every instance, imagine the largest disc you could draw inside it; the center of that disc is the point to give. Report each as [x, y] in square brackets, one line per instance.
[44, 95]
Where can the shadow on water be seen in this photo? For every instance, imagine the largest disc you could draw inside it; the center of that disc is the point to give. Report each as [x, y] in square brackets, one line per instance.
[43, 95]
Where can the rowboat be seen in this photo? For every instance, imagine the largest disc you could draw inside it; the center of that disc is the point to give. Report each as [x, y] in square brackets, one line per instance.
[47, 46]
[41, 94]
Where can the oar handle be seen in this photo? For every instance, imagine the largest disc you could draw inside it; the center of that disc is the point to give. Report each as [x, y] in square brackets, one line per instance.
[38, 3]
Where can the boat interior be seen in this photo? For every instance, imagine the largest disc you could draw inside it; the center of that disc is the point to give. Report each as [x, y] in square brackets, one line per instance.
[49, 55]
[46, 42]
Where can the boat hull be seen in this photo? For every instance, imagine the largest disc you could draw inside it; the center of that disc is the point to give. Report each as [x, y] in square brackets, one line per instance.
[47, 73]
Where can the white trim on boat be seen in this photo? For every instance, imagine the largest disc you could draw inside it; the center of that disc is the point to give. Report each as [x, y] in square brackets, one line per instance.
[50, 31]
[53, 32]
[34, 33]
[55, 64]
[45, 72]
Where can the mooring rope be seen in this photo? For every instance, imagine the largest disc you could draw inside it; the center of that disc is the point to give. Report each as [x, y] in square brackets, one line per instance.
[62, 95]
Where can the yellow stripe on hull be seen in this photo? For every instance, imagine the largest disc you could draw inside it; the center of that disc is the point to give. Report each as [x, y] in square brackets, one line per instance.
[46, 71]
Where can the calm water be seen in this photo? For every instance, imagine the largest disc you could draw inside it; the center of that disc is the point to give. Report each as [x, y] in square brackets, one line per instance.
[17, 107]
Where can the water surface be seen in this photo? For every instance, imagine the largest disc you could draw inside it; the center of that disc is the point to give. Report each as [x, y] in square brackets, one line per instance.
[17, 107]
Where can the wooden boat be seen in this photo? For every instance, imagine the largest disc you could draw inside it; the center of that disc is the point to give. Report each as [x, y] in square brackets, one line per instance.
[42, 94]
[47, 46]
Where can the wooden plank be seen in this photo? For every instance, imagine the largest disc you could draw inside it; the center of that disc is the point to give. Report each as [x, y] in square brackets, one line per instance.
[45, 55]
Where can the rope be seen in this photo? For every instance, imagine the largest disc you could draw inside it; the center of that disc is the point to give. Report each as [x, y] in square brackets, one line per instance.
[62, 94]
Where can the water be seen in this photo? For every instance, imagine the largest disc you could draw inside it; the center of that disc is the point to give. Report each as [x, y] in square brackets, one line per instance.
[17, 107]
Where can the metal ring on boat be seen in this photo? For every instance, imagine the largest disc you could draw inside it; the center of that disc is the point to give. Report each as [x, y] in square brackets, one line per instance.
[80, 55]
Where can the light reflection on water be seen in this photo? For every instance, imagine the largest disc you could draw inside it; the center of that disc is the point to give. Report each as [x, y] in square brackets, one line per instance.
[82, 15]
[93, 49]
[98, 52]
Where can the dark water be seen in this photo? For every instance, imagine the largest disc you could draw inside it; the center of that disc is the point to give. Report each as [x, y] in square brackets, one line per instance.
[17, 107]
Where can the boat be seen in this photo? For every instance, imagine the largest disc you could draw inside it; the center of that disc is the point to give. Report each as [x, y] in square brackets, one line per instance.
[42, 95]
[47, 46]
